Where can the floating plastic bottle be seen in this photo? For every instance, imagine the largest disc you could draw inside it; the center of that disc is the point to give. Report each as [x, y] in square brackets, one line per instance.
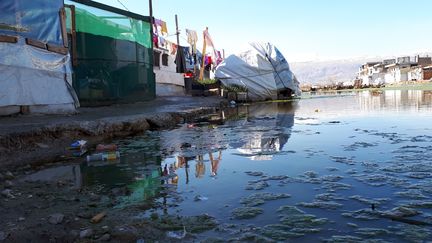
[111, 155]
[103, 156]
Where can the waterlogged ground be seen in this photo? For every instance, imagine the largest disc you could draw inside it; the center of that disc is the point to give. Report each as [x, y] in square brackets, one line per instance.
[350, 167]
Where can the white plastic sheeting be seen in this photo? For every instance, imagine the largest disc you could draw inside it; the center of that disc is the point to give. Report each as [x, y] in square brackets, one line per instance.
[262, 69]
[35, 77]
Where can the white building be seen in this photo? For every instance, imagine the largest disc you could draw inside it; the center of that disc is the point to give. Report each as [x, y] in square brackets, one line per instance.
[168, 81]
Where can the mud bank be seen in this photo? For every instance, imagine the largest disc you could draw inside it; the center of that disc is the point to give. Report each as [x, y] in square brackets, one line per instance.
[47, 143]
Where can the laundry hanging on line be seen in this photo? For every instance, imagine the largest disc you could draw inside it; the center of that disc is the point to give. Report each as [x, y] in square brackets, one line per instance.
[192, 39]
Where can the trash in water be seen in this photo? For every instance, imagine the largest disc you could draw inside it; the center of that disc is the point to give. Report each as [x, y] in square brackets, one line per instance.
[106, 147]
[98, 217]
[200, 198]
[77, 148]
[177, 234]
[105, 156]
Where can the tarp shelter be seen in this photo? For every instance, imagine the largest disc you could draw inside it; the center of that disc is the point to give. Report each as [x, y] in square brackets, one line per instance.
[35, 65]
[112, 54]
[262, 69]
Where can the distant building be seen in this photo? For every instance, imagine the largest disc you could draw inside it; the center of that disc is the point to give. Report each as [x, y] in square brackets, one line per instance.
[427, 73]
[415, 74]
[366, 72]
[397, 72]
[423, 61]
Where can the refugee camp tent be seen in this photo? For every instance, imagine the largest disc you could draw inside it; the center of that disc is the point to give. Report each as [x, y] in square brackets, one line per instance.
[262, 69]
[35, 64]
[112, 52]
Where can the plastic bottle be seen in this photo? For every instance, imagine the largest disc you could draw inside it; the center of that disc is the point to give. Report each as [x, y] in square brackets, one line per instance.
[103, 156]
[95, 157]
[111, 155]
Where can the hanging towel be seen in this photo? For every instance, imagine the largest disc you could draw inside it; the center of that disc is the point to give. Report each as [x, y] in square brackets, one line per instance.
[158, 22]
[164, 28]
[173, 49]
[192, 39]
[208, 39]
[180, 61]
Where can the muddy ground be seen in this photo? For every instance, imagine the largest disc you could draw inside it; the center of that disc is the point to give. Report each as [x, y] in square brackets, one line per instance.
[34, 140]
[57, 211]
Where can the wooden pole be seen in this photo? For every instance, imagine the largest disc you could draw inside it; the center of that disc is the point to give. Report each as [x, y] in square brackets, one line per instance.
[177, 31]
[203, 56]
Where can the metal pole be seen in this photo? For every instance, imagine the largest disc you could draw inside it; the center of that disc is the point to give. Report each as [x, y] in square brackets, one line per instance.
[151, 21]
[177, 31]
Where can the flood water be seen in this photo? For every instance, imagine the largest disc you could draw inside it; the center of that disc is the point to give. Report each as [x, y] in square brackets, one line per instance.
[342, 167]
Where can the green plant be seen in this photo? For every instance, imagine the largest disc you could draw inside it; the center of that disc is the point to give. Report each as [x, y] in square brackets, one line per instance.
[235, 88]
[207, 81]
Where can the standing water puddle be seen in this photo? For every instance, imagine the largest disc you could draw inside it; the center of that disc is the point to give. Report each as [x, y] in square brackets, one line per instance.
[339, 169]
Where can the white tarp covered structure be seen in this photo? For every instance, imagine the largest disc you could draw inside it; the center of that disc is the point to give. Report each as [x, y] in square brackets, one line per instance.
[34, 75]
[262, 69]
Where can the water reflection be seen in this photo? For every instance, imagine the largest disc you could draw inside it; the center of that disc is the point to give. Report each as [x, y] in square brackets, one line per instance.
[268, 128]
[339, 168]
[398, 100]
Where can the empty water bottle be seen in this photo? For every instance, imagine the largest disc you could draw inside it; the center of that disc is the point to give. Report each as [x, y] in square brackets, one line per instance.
[95, 157]
[104, 156]
[111, 155]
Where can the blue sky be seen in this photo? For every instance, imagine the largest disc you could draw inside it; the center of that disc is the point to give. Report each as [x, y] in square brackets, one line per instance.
[306, 29]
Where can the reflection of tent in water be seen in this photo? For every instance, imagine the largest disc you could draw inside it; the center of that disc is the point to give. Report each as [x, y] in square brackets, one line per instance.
[268, 131]
[141, 177]
[262, 69]
[255, 130]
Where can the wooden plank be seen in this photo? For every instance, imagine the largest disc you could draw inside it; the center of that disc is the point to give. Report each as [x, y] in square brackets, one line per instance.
[62, 14]
[201, 76]
[8, 39]
[58, 49]
[36, 43]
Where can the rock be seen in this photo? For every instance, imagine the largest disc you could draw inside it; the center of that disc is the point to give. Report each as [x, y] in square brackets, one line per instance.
[87, 233]
[105, 237]
[85, 215]
[8, 184]
[119, 191]
[74, 233]
[125, 233]
[3, 236]
[154, 216]
[56, 218]
[9, 176]
[20, 219]
[42, 145]
[94, 197]
[7, 193]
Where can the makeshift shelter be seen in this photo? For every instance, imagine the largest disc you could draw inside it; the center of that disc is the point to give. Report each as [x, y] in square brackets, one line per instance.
[112, 54]
[262, 70]
[35, 64]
